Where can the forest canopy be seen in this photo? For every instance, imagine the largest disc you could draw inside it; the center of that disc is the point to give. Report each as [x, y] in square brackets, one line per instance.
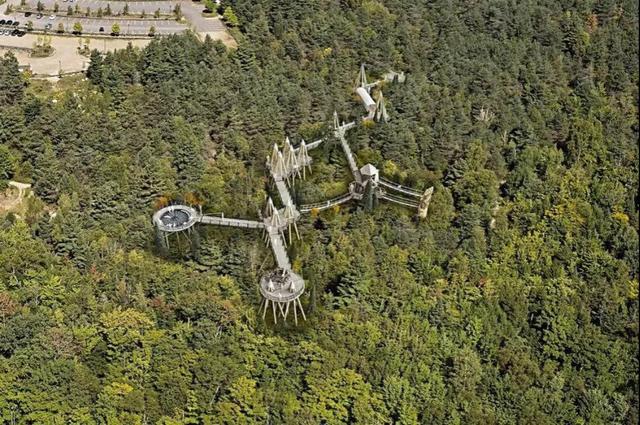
[514, 302]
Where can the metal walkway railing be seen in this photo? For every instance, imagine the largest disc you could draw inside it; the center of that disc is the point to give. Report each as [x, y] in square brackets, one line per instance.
[350, 158]
[398, 187]
[279, 251]
[398, 200]
[326, 204]
[232, 222]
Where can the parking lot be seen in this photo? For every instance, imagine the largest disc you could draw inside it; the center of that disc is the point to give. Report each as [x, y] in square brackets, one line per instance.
[130, 24]
[10, 28]
[135, 7]
[95, 25]
[65, 56]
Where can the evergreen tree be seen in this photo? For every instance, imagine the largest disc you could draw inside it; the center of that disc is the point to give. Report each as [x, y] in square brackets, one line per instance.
[11, 82]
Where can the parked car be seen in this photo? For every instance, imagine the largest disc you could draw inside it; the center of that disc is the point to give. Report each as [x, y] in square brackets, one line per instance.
[2, 21]
[52, 17]
[16, 23]
[27, 14]
[101, 29]
[39, 15]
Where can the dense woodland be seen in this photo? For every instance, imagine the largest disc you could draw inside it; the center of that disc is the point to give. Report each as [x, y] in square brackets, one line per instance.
[515, 302]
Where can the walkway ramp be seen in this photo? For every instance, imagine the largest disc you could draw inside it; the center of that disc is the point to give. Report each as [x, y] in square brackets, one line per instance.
[311, 145]
[285, 197]
[397, 187]
[326, 204]
[348, 126]
[231, 222]
[279, 250]
[398, 200]
[347, 151]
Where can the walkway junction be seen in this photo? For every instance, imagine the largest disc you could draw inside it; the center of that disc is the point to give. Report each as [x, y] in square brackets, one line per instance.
[281, 288]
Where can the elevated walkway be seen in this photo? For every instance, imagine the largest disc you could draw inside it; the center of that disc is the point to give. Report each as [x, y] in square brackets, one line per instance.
[283, 191]
[339, 133]
[279, 251]
[231, 222]
[326, 204]
[397, 200]
[397, 187]
[311, 145]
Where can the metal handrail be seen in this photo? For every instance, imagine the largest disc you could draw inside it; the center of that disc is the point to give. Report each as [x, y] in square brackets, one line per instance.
[232, 222]
[326, 204]
[399, 187]
[398, 200]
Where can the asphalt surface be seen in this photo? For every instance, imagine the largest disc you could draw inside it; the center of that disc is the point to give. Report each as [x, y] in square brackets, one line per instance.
[135, 7]
[192, 11]
[93, 25]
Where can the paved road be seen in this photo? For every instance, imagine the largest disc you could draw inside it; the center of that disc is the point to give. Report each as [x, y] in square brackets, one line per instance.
[193, 12]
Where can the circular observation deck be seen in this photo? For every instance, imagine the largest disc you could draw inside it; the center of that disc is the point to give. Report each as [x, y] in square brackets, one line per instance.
[175, 218]
[281, 285]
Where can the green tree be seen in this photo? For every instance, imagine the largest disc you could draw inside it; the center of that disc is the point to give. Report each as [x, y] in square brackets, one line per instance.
[187, 150]
[11, 82]
[210, 5]
[6, 165]
[344, 397]
[245, 402]
[94, 71]
[230, 17]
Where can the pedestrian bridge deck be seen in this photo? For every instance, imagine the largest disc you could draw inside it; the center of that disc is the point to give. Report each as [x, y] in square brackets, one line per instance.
[232, 222]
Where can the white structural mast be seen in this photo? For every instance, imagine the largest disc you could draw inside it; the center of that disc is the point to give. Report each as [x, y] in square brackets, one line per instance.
[282, 288]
